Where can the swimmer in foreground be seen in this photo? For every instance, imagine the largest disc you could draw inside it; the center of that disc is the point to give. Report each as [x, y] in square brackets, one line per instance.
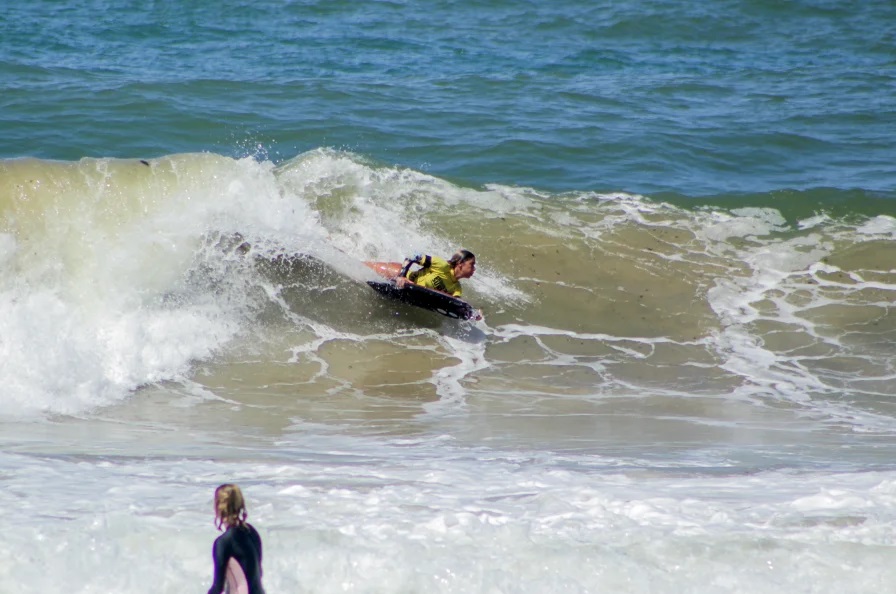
[237, 552]
[438, 274]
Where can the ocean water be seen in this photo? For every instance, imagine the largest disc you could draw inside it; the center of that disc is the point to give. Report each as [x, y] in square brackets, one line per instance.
[684, 217]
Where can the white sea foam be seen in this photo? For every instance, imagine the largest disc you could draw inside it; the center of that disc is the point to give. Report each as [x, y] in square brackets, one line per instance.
[452, 520]
[94, 314]
[881, 225]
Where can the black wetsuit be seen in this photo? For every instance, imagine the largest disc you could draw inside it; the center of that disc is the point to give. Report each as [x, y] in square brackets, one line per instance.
[244, 545]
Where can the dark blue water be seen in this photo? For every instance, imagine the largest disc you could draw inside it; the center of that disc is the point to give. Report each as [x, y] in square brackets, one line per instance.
[693, 98]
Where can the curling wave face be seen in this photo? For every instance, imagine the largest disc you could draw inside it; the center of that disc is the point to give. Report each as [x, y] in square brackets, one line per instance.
[120, 274]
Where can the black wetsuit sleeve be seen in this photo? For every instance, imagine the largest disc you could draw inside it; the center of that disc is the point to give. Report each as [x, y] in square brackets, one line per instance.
[219, 556]
[256, 540]
[424, 261]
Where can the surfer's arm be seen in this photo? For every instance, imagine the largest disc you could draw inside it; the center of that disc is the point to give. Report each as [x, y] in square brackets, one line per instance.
[424, 261]
[437, 286]
[256, 540]
[219, 556]
[404, 277]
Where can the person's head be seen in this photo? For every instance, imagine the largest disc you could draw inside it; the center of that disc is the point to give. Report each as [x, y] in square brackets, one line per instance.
[230, 507]
[464, 264]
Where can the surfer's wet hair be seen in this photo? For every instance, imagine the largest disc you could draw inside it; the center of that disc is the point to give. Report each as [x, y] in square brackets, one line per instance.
[230, 507]
[461, 256]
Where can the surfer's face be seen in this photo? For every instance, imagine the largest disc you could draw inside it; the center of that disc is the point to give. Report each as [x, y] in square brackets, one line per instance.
[465, 269]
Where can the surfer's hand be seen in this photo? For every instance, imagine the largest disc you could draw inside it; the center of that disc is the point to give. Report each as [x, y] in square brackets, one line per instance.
[401, 281]
[478, 315]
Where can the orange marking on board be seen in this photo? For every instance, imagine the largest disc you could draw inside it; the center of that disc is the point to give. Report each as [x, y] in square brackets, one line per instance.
[385, 269]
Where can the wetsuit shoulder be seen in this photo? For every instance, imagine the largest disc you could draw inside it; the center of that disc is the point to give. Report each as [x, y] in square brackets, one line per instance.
[243, 544]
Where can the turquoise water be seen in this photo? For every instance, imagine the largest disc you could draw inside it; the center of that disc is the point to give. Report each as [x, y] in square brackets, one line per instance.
[648, 97]
[684, 215]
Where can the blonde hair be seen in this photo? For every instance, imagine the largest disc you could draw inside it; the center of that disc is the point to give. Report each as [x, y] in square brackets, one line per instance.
[230, 507]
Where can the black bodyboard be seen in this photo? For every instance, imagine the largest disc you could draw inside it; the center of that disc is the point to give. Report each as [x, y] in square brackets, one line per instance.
[426, 298]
